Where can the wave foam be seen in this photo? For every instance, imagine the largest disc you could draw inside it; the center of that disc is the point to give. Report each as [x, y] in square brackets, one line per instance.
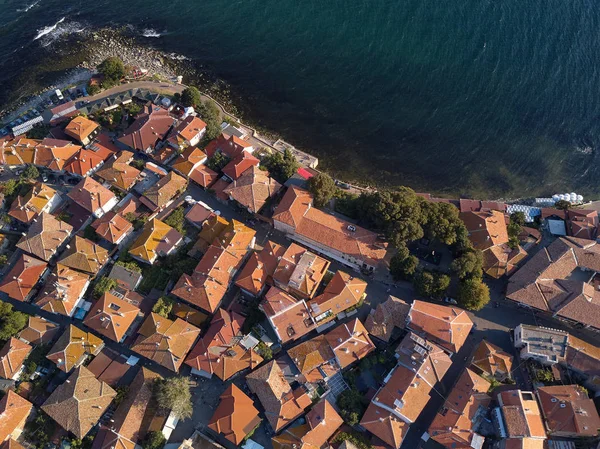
[149, 32]
[51, 33]
[28, 7]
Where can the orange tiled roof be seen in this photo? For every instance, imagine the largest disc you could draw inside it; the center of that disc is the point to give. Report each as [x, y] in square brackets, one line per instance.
[252, 189]
[87, 159]
[259, 268]
[111, 316]
[26, 208]
[164, 341]
[188, 160]
[447, 326]
[156, 238]
[235, 416]
[486, 229]
[219, 351]
[300, 270]
[91, 195]
[384, 425]
[203, 176]
[490, 359]
[282, 404]
[23, 276]
[187, 130]
[521, 413]
[465, 407]
[84, 255]
[387, 316]
[311, 354]
[350, 342]
[342, 292]
[165, 190]
[12, 355]
[231, 146]
[72, 347]
[568, 411]
[80, 128]
[78, 403]
[118, 172]
[14, 410]
[62, 290]
[39, 331]
[289, 317]
[19, 151]
[240, 164]
[112, 226]
[44, 236]
[150, 126]
[55, 154]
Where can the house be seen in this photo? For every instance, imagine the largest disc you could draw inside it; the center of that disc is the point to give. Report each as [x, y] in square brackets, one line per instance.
[456, 423]
[41, 198]
[20, 281]
[259, 269]
[93, 197]
[337, 239]
[282, 404]
[157, 239]
[342, 292]
[198, 214]
[518, 417]
[112, 227]
[118, 173]
[289, 317]
[60, 113]
[466, 205]
[230, 146]
[568, 411]
[46, 236]
[151, 126]
[406, 389]
[322, 422]
[212, 228]
[164, 341]
[489, 360]
[188, 161]
[112, 317]
[111, 367]
[63, 291]
[579, 223]
[242, 163]
[164, 192]
[19, 151]
[350, 342]
[488, 233]
[82, 129]
[187, 133]
[84, 255]
[73, 347]
[39, 331]
[214, 273]
[551, 347]
[78, 404]
[203, 176]
[55, 154]
[252, 189]
[220, 351]
[15, 410]
[300, 271]
[387, 317]
[126, 278]
[314, 359]
[88, 161]
[134, 417]
[560, 280]
[235, 416]
[12, 355]
[447, 326]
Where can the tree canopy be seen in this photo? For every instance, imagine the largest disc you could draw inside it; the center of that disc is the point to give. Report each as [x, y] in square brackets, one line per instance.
[323, 188]
[11, 322]
[30, 172]
[562, 205]
[112, 68]
[403, 265]
[468, 264]
[473, 294]
[154, 440]
[177, 220]
[211, 114]
[103, 285]
[174, 394]
[352, 405]
[431, 284]
[163, 306]
[191, 97]
[281, 166]
[217, 161]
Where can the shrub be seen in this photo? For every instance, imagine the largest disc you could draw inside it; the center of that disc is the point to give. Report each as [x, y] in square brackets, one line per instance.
[113, 70]
[103, 285]
[130, 265]
[163, 306]
[154, 440]
[177, 220]
[190, 97]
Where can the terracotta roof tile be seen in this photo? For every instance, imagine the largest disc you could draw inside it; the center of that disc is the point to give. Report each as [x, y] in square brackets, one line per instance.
[188, 160]
[26, 208]
[231, 146]
[342, 292]
[118, 172]
[384, 425]
[79, 402]
[111, 316]
[12, 355]
[259, 268]
[87, 159]
[311, 354]
[522, 416]
[492, 360]
[568, 411]
[112, 227]
[155, 239]
[165, 190]
[14, 410]
[387, 316]
[72, 347]
[150, 126]
[39, 331]
[240, 164]
[300, 271]
[290, 318]
[198, 214]
[91, 195]
[350, 342]
[55, 154]
[80, 128]
[235, 416]
[63, 290]
[24, 275]
[203, 176]
[44, 236]
[84, 255]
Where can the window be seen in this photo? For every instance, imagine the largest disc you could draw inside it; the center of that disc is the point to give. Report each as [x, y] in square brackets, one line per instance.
[113, 306]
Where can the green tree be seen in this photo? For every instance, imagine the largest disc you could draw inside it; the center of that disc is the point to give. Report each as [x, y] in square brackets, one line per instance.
[518, 217]
[90, 234]
[423, 283]
[130, 265]
[113, 69]
[3, 259]
[30, 172]
[352, 405]
[9, 188]
[11, 322]
[468, 265]
[562, 205]
[443, 222]
[281, 166]
[103, 285]
[217, 161]
[323, 188]
[173, 394]
[163, 306]
[264, 351]
[403, 266]
[93, 89]
[191, 97]
[177, 220]
[154, 440]
[473, 294]
[358, 439]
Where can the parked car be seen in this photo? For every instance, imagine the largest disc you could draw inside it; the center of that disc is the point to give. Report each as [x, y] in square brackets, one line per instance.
[450, 300]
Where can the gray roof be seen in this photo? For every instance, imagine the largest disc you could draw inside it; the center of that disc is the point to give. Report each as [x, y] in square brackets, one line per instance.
[127, 278]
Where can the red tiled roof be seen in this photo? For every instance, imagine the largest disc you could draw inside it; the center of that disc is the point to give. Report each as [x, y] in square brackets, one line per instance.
[24, 275]
[14, 410]
[235, 416]
[12, 355]
[203, 176]
[231, 146]
[150, 126]
[244, 161]
[91, 195]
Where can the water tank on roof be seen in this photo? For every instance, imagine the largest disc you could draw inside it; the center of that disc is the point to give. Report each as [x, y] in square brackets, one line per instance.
[556, 197]
[573, 198]
[579, 199]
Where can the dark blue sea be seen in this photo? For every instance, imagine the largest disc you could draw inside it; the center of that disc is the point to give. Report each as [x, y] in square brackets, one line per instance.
[492, 98]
